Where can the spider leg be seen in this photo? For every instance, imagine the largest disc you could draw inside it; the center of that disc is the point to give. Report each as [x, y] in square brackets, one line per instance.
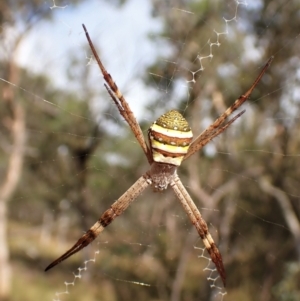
[120, 101]
[116, 209]
[214, 129]
[201, 226]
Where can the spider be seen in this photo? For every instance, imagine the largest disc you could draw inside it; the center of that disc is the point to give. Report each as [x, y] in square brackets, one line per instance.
[170, 142]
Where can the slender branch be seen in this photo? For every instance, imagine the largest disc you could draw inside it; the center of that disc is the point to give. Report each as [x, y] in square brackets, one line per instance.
[287, 209]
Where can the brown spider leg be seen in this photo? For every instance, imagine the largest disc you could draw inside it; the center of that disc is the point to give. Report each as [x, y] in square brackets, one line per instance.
[120, 101]
[197, 143]
[201, 226]
[116, 209]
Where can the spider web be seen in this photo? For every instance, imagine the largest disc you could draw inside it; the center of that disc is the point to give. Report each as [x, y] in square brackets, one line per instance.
[152, 250]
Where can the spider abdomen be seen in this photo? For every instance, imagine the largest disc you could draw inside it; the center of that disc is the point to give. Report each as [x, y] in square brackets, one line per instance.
[170, 137]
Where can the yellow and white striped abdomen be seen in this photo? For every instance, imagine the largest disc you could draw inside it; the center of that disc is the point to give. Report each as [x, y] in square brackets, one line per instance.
[170, 137]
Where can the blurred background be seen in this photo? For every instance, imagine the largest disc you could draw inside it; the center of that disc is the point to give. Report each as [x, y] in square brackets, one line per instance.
[66, 154]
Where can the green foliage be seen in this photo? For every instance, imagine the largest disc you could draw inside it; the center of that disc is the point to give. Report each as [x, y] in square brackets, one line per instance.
[288, 288]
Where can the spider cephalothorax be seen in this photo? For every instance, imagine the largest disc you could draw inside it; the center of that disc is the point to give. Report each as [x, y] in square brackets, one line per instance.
[161, 175]
[170, 139]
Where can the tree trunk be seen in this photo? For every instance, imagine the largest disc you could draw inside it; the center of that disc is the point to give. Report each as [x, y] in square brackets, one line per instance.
[16, 126]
